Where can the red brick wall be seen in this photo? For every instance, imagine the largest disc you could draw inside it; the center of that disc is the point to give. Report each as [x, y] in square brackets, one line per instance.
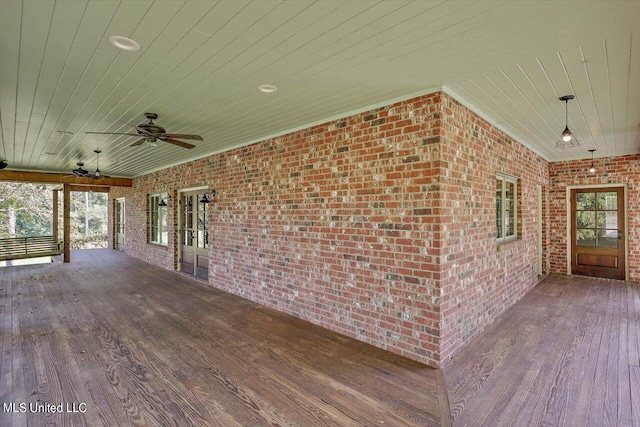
[365, 225]
[609, 170]
[480, 279]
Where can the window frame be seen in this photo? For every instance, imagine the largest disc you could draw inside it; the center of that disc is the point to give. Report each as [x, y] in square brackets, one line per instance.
[157, 220]
[502, 225]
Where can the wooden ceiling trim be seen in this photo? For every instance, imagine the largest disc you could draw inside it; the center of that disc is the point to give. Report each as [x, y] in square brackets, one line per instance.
[61, 178]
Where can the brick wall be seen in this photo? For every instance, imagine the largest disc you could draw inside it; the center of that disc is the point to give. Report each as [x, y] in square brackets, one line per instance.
[480, 279]
[366, 225]
[609, 170]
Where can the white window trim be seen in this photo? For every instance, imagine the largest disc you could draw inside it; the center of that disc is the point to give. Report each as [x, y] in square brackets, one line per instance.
[505, 178]
[154, 200]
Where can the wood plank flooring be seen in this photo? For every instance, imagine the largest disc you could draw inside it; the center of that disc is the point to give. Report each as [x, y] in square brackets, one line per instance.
[567, 354]
[118, 342]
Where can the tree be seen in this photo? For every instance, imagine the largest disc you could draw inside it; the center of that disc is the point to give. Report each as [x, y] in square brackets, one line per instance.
[25, 210]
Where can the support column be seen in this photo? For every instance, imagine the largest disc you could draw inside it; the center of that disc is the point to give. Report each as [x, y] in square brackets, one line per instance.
[54, 222]
[67, 222]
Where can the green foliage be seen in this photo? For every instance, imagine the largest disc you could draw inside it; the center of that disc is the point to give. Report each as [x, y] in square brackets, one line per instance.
[26, 210]
[90, 242]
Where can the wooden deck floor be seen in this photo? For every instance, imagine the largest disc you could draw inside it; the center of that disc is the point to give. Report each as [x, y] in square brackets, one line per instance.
[130, 344]
[567, 354]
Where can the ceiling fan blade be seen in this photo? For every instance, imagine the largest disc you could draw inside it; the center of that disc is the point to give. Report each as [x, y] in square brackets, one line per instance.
[183, 136]
[112, 133]
[138, 142]
[176, 142]
[139, 129]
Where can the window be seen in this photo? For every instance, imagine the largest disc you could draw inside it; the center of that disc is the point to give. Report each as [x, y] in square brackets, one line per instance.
[158, 228]
[506, 208]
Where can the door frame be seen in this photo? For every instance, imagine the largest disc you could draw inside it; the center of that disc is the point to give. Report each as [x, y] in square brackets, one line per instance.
[539, 217]
[626, 221]
[178, 212]
[116, 222]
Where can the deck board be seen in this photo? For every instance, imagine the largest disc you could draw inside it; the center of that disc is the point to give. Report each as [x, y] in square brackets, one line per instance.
[566, 354]
[142, 346]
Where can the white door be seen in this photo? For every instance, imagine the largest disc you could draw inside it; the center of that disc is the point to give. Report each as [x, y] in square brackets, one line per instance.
[194, 236]
[119, 224]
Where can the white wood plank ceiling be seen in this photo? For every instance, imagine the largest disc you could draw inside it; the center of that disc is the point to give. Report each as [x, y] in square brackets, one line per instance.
[200, 64]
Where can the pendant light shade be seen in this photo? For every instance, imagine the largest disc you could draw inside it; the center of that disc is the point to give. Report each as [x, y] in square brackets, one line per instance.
[567, 139]
[592, 169]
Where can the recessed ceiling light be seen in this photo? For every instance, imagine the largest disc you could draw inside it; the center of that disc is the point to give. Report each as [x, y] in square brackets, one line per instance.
[124, 43]
[267, 88]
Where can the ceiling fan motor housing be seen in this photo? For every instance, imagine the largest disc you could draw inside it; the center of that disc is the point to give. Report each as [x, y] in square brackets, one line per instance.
[151, 127]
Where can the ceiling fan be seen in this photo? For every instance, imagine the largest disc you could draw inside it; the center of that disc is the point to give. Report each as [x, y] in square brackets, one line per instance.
[83, 173]
[151, 132]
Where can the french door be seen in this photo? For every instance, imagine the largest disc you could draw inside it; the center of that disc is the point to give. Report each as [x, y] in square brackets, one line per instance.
[119, 224]
[597, 232]
[194, 236]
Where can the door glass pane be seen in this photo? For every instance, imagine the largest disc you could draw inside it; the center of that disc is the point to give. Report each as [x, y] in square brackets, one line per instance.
[608, 201]
[509, 216]
[608, 238]
[608, 219]
[585, 201]
[188, 212]
[202, 224]
[586, 219]
[586, 237]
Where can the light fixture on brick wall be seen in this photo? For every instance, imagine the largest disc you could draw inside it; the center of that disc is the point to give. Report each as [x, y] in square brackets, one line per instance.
[567, 140]
[592, 169]
[163, 203]
[205, 199]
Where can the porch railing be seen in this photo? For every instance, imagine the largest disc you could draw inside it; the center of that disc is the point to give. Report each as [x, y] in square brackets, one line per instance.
[29, 247]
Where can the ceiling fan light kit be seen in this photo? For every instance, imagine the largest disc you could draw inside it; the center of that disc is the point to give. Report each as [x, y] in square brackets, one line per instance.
[567, 139]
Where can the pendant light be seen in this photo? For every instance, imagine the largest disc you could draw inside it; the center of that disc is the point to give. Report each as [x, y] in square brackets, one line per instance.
[567, 139]
[592, 169]
[97, 173]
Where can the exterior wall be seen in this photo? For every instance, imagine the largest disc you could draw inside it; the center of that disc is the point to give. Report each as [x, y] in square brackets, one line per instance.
[378, 226]
[609, 170]
[332, 224]
[328, 224]
[481, 279]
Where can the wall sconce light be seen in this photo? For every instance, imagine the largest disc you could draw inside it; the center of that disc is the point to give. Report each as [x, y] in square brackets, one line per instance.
[205, 199]
[592, 169]
[163, 203]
